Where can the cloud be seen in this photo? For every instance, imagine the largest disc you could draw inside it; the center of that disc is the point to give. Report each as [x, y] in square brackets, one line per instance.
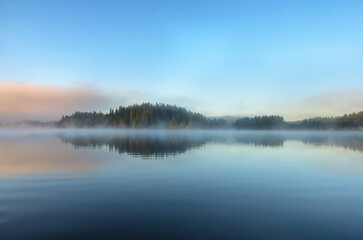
[19, 101]
[327, 104]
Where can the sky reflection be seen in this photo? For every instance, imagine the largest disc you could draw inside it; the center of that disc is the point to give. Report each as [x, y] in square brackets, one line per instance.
[69, 153]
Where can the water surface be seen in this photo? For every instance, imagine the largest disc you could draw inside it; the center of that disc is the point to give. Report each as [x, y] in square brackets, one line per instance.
[108, 184]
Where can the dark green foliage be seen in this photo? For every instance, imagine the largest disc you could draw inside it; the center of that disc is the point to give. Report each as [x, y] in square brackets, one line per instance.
[148, 115]
[346, 122]
[82, 119]
[145, 115]
[264, 122]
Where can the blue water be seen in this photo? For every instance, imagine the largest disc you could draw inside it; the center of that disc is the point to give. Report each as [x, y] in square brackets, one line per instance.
[108, 184]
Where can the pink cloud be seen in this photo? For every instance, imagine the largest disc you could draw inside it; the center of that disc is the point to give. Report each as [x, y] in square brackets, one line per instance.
[20, 101]
[327, 104]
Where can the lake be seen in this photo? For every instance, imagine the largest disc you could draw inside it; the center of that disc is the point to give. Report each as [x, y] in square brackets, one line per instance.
[123, 184]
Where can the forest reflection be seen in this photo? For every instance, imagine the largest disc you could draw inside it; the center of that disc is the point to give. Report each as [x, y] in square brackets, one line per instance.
[139, 145]
[168, 144]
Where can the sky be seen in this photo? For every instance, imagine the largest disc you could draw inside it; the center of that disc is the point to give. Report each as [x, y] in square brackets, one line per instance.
[298, 59]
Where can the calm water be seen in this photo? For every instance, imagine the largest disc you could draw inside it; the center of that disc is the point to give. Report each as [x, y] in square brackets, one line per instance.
[180, 185]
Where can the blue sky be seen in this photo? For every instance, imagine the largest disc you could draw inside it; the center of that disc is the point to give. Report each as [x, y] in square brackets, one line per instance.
[296, 58]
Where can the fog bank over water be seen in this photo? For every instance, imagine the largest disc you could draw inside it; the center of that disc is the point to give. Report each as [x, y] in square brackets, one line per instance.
[66, 152]
[170, 142]
[154, 142]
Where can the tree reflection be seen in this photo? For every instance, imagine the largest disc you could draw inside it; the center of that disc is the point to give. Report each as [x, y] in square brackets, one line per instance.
[139, 145]
[171, 144]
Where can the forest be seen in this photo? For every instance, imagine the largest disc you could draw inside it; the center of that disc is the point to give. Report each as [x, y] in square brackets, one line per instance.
[146, 115]
[158, 115]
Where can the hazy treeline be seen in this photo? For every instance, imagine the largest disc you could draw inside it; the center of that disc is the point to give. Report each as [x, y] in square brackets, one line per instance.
[346, 122]
[351, 121]
[28, 123]
[264, 122]
[145, 115]
[148, 115]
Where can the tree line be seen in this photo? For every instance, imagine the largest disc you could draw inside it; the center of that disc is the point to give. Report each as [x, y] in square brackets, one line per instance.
[146, 115]
[346, 122]
[157, 115]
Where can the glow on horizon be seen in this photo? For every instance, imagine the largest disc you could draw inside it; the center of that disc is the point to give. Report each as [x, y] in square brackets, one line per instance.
[296, 59]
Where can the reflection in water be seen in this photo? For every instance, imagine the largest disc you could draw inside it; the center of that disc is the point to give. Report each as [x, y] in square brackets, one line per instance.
[349, 141]
[42, 153]
[228, 186]
[28, 155]
[139, 145]
[171, 143]
[265, 140]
